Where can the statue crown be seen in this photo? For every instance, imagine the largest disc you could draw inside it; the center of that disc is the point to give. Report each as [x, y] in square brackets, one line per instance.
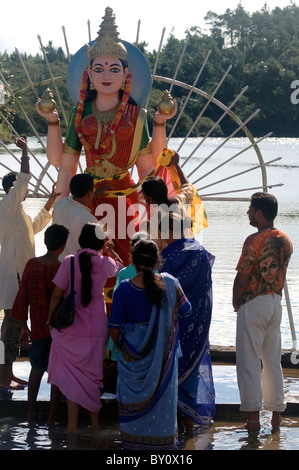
[107, 43]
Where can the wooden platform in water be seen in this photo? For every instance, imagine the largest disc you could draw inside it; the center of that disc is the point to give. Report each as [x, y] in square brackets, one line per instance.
[227, 355]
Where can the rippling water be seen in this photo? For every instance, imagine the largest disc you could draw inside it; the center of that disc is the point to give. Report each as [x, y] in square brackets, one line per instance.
[16, 435]
[228, 227]
[227, 435]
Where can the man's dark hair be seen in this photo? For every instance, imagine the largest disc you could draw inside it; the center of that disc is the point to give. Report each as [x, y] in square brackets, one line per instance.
[80, 184]
[155, 187]
[55, 237]
[88, 237]
[267, 203]
[8, 180]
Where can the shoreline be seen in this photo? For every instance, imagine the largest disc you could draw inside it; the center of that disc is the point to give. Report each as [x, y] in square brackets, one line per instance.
[14, 404]
[227, 354]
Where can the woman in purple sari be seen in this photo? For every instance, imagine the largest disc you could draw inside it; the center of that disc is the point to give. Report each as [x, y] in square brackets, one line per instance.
[188, 261]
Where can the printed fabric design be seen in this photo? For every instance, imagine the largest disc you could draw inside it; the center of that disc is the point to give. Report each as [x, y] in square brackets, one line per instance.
[265, 256]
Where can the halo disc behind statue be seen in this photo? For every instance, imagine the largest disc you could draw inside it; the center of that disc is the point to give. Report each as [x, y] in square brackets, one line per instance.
[138, 66]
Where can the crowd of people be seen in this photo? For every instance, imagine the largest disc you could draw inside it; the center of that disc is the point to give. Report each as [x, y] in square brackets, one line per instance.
[158, 325]
[149, 304]
[149, 294]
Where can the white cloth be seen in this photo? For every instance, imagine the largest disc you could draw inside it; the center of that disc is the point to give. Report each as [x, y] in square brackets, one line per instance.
[17, 232]
[73, 216]
[259, 339]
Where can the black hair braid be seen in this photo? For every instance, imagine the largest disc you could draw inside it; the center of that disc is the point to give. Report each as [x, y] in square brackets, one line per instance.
[153, 286]
[145, 255]
[86, 281]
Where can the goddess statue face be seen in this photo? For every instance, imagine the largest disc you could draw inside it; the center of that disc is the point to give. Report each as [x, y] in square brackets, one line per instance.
[107, 75]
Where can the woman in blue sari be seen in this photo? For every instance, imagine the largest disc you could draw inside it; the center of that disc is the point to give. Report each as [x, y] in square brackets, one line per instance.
[188, 261]
[125, 273]
[144, 327]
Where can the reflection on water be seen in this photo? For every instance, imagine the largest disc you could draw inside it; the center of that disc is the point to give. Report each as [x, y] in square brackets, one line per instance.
[16, 433]
[230, 435]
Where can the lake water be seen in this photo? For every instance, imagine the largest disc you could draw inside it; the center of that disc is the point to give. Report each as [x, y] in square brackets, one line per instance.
[228, 222]
[228, 227]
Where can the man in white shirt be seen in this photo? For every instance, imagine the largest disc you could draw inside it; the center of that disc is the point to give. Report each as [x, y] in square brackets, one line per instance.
[73, 211]
[17, 232]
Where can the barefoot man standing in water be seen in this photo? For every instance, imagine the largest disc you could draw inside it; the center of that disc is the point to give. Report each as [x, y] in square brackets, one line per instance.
[257, 299]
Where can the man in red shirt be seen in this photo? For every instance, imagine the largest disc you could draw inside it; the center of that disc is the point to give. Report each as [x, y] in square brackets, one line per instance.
[34, 294]
[257, 295]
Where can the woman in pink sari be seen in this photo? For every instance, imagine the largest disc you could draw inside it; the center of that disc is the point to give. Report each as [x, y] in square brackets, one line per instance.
[77, 351]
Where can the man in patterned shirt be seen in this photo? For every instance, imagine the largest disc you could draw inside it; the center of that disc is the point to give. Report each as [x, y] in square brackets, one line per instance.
[257, 295]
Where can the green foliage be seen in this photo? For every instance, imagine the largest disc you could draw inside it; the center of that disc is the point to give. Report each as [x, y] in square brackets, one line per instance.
[20, 98]
[269, 44]
[261, 47]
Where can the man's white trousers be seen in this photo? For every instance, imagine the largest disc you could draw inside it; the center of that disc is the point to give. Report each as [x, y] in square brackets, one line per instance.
[258, 354]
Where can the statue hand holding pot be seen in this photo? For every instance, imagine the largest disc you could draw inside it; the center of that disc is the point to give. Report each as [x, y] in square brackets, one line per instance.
[167, 108]
[46, 106]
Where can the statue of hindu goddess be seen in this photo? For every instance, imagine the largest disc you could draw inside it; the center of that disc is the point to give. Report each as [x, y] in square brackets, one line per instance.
[110, 125]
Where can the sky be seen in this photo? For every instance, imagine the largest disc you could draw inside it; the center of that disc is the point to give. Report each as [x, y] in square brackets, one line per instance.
[22, 21]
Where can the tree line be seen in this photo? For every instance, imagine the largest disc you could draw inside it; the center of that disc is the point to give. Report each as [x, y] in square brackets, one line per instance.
[262, 48]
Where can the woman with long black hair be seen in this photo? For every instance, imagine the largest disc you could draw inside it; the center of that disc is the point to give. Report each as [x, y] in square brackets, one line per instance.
[144, 327]
[77, 351]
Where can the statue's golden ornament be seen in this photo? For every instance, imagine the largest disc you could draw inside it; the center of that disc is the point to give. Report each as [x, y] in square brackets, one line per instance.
[107, 43]
[47, 103]
[166, 105]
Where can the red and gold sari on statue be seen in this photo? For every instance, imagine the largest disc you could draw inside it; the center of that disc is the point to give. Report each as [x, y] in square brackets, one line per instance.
[110, 167]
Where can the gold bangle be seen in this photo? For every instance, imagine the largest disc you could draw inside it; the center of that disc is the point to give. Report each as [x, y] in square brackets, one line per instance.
[54, 123]
[159, 124]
